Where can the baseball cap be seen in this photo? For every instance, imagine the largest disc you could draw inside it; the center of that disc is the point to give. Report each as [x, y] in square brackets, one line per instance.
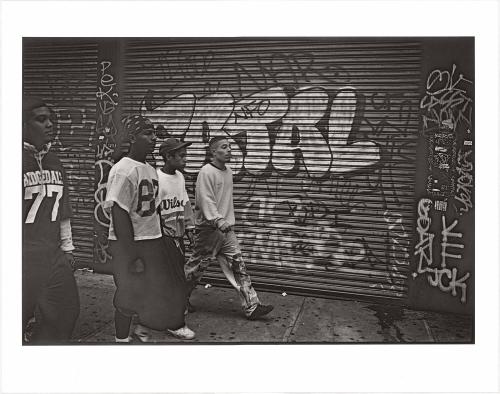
[134, 124]
[171, 144]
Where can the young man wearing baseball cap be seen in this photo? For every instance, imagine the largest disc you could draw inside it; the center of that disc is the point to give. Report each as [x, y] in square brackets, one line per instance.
[215, 239]
[50, 295]
[146, 268]
[175, 207]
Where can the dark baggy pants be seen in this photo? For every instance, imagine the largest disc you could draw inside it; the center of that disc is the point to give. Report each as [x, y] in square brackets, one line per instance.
[153, 288]
[50, 296]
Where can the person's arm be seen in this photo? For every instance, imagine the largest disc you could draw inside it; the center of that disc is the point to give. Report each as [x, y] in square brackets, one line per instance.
[189, 221]
[122, 224]
[66, 235]
[119, 200]
[67, 241]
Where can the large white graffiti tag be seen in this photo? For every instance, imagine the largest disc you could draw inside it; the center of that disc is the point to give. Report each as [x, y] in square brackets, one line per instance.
[441, 276]
[249, 119]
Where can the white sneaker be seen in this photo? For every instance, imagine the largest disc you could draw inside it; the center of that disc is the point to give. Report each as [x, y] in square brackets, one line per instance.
[123, 340]
[183, 333]
[142, 333]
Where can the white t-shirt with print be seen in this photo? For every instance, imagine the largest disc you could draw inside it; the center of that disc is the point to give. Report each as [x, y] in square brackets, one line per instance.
[134, 187]
[176, 211]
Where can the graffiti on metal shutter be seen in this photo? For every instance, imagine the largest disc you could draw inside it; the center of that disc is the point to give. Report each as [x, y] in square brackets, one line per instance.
[447, 124]
[63, 74]
[323, 150]
[323, 146]
[108, 140]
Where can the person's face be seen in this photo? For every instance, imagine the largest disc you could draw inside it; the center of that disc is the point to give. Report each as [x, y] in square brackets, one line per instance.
[39, 127]
[177, 159]
[222, 151]
[145, 141]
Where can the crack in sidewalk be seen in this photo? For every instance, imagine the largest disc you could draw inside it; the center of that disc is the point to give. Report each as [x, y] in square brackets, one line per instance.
[430, 333]
[291, 327]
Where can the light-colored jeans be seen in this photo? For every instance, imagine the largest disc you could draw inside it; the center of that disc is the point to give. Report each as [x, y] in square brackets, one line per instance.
[212, 245]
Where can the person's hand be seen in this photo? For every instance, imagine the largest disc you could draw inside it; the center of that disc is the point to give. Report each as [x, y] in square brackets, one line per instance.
[70, 259]
[137, 266]
[225, 227]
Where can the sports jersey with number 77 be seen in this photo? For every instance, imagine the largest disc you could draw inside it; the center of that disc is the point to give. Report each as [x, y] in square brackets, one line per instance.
[45, 202]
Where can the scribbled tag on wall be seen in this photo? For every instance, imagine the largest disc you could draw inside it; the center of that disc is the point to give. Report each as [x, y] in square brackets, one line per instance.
[440, 250]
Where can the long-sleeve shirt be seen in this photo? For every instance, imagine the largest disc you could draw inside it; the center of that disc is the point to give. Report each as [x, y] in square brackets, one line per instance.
[214, 197]
[176, 211]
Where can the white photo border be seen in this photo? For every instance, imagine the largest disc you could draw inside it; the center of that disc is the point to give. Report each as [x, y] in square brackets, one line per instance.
[253, 368]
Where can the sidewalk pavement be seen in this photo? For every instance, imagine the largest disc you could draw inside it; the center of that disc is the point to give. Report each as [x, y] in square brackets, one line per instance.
[295, 319]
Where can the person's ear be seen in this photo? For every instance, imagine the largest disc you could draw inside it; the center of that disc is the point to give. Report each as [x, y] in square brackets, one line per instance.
[132, 138]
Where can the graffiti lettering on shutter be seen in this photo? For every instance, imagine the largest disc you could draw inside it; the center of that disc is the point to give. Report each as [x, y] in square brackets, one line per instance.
[465, 181]
[108, 140]
[447, 121]
[297, 122]
[323, 152]
[440, 274]
[446, 102]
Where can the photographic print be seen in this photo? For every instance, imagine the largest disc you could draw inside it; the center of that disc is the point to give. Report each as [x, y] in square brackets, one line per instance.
[293, 189]
[272, 190]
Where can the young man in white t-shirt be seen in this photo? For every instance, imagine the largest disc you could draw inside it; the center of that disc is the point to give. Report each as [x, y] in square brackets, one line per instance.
[175, 207]
[146, 268]
[215, 239]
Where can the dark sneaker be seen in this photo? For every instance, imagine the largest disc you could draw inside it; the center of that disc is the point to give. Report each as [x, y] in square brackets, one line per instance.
[260, 311]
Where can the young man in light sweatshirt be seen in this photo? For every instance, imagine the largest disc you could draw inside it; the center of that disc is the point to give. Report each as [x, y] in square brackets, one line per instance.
[215, 239]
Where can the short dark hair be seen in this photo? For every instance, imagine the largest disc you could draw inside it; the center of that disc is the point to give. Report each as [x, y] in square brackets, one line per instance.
[216, 139]
[30, 103]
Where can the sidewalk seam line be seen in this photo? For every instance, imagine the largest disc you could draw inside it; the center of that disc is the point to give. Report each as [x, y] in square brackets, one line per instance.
[429, 331]
[291, 328]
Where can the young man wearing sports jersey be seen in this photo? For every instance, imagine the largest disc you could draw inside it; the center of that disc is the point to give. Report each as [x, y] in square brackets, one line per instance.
[215, 239]
[147, 268]
[176, 210]
[50, 295]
